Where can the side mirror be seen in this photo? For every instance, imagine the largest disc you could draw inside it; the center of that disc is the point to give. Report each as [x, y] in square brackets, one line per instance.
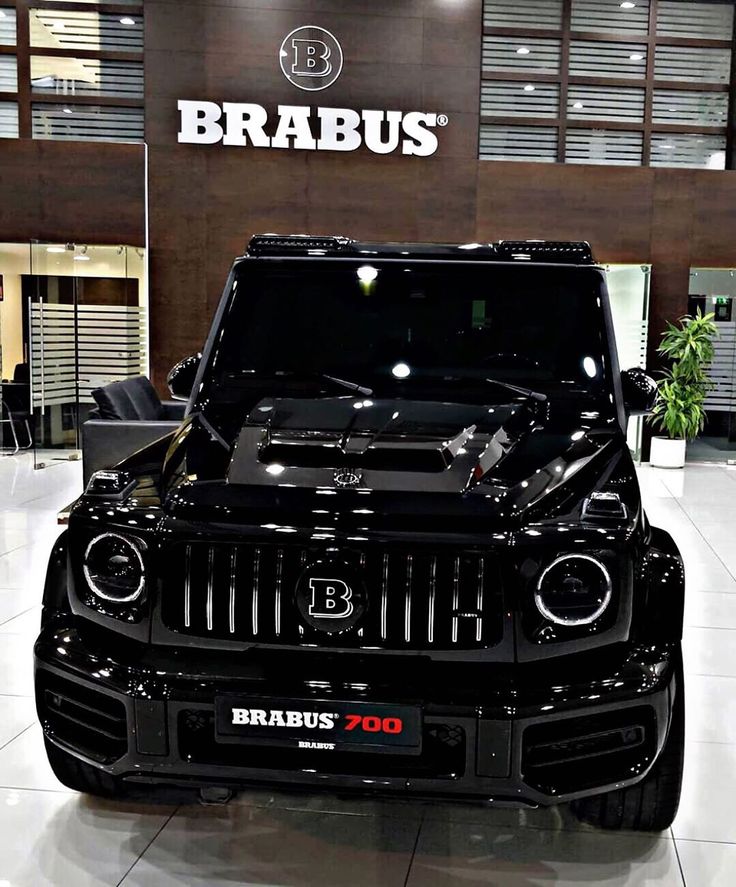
[639, 391]
[181, 377]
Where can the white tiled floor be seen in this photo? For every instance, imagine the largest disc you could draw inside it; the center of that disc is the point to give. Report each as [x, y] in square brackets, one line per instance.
[51, 836]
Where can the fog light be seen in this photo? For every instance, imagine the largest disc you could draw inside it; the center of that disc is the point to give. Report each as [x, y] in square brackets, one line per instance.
[113, 568]
[575, 589]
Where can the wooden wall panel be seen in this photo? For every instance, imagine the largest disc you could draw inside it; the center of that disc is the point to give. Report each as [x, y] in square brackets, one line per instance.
[73, 191]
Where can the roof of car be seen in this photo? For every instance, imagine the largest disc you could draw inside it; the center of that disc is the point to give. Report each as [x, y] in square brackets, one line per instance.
[558, 252]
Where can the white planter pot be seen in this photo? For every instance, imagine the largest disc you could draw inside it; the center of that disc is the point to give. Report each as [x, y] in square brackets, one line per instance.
[667, 453]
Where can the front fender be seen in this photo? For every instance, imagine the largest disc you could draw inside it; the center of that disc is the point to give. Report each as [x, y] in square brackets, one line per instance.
[663, 584]
[55, 589]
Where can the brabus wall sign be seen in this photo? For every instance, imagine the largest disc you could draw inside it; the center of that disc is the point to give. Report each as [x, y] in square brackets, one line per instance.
[311, 59]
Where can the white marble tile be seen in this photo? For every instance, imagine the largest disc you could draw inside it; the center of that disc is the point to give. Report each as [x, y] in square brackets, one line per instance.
[707, 864]
[252, 845]
[708, 790]
[23, 764]
[16, 665]
[710, 651]
[452, 854]
[320, 802]
[710, 609]
[711, 708]
[17, 713]
[55, 840]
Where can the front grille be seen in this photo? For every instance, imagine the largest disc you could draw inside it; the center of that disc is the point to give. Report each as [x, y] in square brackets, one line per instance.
[442, 757]
[578, 753]
[416, 600]
[84, 719]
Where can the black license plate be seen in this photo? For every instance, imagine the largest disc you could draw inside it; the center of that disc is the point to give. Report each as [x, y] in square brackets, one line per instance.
[320, 725]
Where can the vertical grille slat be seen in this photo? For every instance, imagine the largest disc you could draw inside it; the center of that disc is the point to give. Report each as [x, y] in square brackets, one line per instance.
[210, 589]
[416, 599]
[256, 583]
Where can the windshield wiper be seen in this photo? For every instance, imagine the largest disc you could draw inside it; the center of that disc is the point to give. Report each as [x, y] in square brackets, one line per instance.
[343, 383]
[526, 392]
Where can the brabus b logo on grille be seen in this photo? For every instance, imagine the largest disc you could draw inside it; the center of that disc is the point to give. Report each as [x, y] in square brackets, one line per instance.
[330, 596]
[311, 58]
[331, 599]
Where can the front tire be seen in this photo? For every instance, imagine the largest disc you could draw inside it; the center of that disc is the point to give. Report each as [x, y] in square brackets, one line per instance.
[650, 805]
[80, 776]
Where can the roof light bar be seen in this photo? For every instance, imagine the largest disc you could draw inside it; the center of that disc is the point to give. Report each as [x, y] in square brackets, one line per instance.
[577, 252]
[277, 244]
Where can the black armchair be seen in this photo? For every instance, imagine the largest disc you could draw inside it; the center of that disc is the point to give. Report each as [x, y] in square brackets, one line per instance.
[129, 416]
[16, 412]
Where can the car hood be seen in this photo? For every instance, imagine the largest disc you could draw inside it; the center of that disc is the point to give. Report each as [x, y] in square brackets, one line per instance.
[453, 459]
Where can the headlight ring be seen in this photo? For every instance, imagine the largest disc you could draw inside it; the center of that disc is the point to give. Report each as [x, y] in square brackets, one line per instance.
[114, 569]
[582, 586]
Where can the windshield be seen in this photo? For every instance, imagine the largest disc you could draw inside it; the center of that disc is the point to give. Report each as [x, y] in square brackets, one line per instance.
[410, 329]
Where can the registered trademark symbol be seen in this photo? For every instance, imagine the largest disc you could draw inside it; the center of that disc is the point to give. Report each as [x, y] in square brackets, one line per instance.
[442, 120]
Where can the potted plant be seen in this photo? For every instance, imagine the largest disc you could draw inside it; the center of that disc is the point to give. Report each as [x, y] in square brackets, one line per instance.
[679, 410]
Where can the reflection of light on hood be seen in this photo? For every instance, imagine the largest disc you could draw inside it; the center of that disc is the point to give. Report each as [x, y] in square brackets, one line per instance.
[578, 435]
[367, 273]
[590, 367]
[275, 469]
[401, 370]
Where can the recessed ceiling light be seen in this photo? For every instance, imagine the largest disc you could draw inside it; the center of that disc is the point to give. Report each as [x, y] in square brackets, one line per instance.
[627, 4]
[636, 57]
[529, 88]
[667, 147]
[127, 20]
[81, 258]
[55, 249]
[523, 50]
[578, 106]
[67, 110]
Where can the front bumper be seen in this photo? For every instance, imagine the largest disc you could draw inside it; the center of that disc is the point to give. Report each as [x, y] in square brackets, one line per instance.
[531, 736]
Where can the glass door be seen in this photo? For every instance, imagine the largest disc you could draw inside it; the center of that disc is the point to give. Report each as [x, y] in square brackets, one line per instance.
[85, 326]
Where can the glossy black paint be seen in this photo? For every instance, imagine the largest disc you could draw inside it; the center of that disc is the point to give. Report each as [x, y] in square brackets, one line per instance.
[354, 484]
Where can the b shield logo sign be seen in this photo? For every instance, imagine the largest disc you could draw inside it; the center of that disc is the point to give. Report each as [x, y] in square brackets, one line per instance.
[331, 596]
[311, 58]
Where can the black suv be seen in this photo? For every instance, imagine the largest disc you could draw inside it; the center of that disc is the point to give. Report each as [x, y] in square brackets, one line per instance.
[396, 546]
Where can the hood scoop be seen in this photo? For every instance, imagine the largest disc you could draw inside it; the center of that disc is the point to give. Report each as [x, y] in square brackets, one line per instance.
[306, 440]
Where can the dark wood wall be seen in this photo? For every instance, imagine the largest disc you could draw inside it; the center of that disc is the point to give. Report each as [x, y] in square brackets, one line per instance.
[72, 191]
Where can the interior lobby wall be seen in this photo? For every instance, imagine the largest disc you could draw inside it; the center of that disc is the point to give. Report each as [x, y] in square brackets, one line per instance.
[206, 200]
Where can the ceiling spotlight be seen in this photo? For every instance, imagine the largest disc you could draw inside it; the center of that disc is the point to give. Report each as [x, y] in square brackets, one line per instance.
[523, 50]
[627, 4]
[636, 57]
[55, 249]
[127, 20]
[401, 371]
[529, 88]
[578, 106]
[67, 110]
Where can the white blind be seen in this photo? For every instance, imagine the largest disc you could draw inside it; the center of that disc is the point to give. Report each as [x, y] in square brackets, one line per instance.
[511, 98]
[593, 58]
[8, 120]
[722, 373]
[108, 345]
[609, 16]
[87, 123]
[599, 146]
[7, 26]
[712, 21]
[502, 54]
[605, 103]
[66, 29]
[72, 76]
[687, 149]
[691, 107]
[545, 14]
[8, 74]
[537, 143]
[698, 64]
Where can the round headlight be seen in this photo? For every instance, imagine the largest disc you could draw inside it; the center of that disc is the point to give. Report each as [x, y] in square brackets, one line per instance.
[575, 589]
[113, 568]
